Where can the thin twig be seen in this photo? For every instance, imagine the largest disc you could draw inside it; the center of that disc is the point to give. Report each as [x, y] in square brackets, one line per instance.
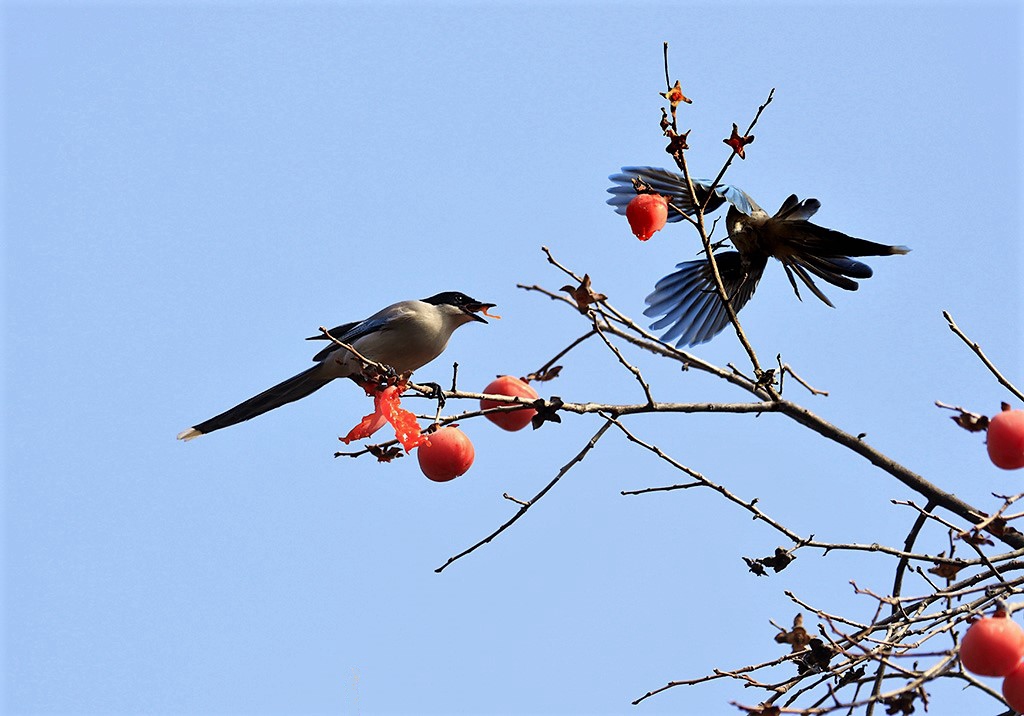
[750, 128]
[525, 506]
[562, 353]
[897, 588]
[750, 506]
[699, 221]
[817, 424]
[666, 488]
[981, 354]
[366, 362]
[785, 368]
[637, 375]
[723, 295]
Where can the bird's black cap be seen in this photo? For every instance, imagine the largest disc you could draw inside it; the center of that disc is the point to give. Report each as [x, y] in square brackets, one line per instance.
[460, 300]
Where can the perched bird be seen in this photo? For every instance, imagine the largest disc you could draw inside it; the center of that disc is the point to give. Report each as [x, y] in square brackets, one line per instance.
[405, 335]
[687, 299]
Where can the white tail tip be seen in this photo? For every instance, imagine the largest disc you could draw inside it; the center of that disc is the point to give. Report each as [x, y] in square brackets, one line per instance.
[188, 434]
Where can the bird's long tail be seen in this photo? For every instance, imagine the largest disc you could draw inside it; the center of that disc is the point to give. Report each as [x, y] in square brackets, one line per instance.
[298, 386]
[811, 249]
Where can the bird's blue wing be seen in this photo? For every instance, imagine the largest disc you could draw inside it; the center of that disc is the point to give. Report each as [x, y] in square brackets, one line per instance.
[335, 332]
[673, 187]
[363, 328]
[351, 332]
[737, 197]
[687, 301]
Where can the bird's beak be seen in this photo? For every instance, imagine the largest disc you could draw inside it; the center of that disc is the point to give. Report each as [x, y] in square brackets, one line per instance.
[472, 309]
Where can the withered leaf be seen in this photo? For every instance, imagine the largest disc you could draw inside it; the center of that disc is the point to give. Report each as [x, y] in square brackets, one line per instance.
[676, 142]
[1001, 528]
[583, 294]
[902, 703]
[764, 710]
[780, 560]
[665, 123]
[385, 454]
[737, 142]
[797, 637]
[543, 376]
[976, 538]
[766, 378]
[971, 422]
[755, 566]
[548, 412]
[777, 562]
[816, 657]
[642, 187]
[850, 677]
[946, 570]
[675, 95]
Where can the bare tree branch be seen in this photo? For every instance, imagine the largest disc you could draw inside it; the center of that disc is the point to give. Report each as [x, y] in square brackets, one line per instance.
[981, 354]
[525, 506]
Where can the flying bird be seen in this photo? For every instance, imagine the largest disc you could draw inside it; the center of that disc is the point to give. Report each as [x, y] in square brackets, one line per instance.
[687, 300]
[405, 335]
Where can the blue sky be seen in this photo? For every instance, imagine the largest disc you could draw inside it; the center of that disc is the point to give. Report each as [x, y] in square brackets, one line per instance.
[191, 189]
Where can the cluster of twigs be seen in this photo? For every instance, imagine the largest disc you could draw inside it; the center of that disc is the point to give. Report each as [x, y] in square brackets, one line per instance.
[841, 664]
[846, 664]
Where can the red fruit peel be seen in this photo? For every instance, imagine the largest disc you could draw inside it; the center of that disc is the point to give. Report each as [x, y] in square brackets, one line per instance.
[992, 646]
[646, 214]
[1006, 439]
[511, 420]
[448, 455]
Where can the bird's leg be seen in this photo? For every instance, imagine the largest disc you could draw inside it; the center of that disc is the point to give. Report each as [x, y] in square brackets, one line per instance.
[374, 379]
[436, 393]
